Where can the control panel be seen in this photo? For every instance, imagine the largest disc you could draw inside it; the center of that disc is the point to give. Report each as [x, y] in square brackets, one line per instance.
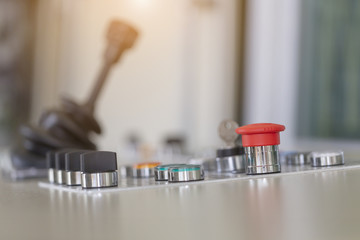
[86, 171]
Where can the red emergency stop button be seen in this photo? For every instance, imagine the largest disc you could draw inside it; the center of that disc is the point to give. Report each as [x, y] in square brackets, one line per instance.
[260, 134]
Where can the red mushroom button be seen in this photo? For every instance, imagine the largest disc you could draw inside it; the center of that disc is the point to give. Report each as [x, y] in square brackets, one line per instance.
[260, 134]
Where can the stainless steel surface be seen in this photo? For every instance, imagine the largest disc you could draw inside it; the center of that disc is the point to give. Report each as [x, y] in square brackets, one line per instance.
[313, 206]
[231, 164]
[60, 177]
[51, 175]
[73, 178]
[298, 158]
[185, 176]
[262, 159]
[323, 159]
[99, 180]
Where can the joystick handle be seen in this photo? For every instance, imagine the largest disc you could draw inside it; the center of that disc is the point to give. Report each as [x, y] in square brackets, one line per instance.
[120, 36]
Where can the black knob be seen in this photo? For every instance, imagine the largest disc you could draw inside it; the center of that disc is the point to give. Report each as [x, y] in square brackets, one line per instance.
[50, 159]
[226, 152]
[60, 165]
[98, 169]
[50, 165]
[98, 162]
[73, 166]
[72, 160]
[60, 159]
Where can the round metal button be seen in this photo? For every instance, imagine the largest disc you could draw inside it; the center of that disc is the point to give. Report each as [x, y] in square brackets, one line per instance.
[234, 164]
[186, 173]
[144, 170]
[323, 159]
[51, 165]
[297, 158]
[125, 171]
[162, 171]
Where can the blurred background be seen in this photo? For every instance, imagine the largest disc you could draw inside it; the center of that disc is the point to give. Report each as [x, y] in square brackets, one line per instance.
[196, 62]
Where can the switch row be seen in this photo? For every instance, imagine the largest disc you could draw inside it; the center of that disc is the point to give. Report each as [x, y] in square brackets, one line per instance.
[167, 172]
[89, 169]
[316, 159]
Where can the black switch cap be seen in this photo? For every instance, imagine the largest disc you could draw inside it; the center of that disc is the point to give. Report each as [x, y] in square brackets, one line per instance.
[50, 159]
[227, 152]
[60, 158]
[98, 161]
[72, 160]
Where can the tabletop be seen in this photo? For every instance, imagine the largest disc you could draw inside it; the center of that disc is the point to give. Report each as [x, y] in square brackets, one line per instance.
[312, 205]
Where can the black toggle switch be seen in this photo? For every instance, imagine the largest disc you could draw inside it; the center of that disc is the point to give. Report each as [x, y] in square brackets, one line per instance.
[226, 152]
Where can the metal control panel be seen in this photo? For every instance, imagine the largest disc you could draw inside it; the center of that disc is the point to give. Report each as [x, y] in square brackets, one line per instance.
[126, 183]
[258, 156]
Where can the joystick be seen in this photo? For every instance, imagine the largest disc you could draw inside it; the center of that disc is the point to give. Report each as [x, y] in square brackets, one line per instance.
[71, 124]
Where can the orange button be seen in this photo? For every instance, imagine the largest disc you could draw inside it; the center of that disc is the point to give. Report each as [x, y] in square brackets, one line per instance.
[146, 165]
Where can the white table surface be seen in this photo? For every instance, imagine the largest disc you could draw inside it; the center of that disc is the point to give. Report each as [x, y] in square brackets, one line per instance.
[316, 205]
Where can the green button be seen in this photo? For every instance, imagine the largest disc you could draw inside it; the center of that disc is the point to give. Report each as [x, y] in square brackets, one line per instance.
[186, 168]
[167, 166]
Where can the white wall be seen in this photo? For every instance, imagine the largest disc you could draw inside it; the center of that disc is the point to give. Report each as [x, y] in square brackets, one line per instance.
[271, 67]
[272, 70]
[179, 77]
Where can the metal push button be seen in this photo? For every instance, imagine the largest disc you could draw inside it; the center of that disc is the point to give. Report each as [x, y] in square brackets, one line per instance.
[98, 169]
[186, 173]
[162, 171]
[60, 166]
[261, 142]
[144, 170]
[262, 159]
[72, 168]
[125, 171]
[323, 159]
[297, 158]
[230, 160]
[50, 165]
